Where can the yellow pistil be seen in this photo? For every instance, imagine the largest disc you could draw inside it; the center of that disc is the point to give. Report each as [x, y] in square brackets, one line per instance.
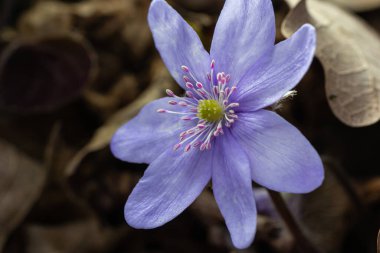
[210, 110]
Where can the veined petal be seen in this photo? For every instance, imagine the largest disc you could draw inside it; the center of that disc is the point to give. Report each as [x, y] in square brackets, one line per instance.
[245, 31]
[170, 184]
[281, 158]
[265, 85]
[148, 135]
[232, 186]
[177, 43]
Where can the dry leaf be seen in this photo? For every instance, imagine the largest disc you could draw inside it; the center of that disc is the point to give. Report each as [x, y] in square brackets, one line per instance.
[124, 91]
[80, 236]
[42, 74]
[349, 51]
[327, 213]
[357, 5]
[103, 18]
[102, 137]
[44, 18]
[69, 226]
[21, 183]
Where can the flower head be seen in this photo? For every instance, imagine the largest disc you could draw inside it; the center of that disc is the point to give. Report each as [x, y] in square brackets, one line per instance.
[219, 130]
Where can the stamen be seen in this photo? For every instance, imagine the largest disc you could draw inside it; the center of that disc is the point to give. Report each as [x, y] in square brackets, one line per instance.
[208, 104]
[187, 148]
[233, 105]
[170, 93]
[185, 68]
[189, 94]
[177, 146]
[186, 79]
[187, 118]
[189, 85]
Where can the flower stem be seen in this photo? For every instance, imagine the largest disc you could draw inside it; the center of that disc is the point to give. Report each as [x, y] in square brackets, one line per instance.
[303, 243]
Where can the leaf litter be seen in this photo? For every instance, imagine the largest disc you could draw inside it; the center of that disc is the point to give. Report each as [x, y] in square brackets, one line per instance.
[72, 200]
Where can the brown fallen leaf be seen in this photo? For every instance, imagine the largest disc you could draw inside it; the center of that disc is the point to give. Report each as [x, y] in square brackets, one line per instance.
[21, 183]
[357, 5]
[78, 236]
[47, 17]
[349, 50]
[104, 18]
[63, 222]
[160, 81]
[124, 91]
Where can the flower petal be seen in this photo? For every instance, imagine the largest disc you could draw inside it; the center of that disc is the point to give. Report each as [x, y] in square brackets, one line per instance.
[177, 43]
[148, 135]
[170, 184]
[245, 31]
[232, 186]
[281, 158]
[265, 85]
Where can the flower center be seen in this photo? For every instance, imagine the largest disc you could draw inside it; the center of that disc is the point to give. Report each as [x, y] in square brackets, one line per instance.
[208, 106]
[210, 110]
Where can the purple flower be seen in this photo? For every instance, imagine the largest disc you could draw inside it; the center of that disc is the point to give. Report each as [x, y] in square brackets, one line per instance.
[219, 131]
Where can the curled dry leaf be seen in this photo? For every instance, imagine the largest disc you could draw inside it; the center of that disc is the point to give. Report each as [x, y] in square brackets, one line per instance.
[21, 183]
[44, 74]
[161, 80]
[349, 51]
[357, 5]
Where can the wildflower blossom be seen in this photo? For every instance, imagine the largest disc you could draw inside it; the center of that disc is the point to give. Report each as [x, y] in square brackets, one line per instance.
[219, 130]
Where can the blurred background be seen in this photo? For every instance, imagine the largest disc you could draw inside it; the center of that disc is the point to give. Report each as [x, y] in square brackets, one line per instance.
[73, 71]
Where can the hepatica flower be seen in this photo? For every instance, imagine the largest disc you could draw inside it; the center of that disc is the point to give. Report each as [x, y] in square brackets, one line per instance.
[220, 130]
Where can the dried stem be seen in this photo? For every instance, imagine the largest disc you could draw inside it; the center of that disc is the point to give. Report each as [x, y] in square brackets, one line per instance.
[303, 243]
